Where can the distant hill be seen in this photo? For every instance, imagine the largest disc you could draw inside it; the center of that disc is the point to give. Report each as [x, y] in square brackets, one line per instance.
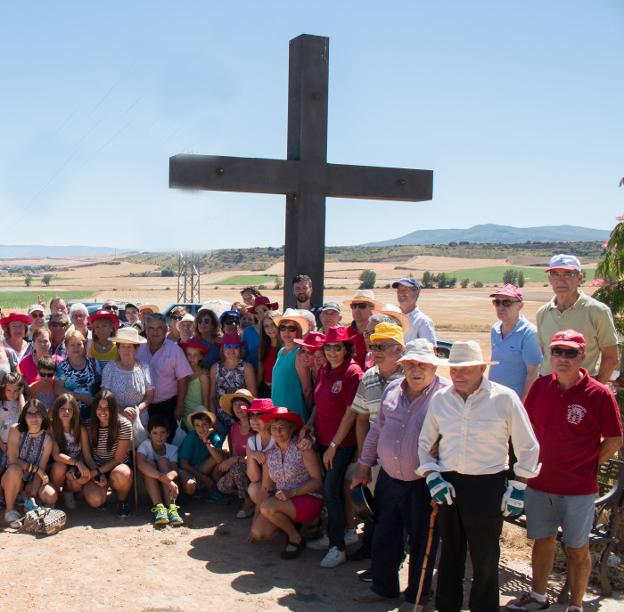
[499, 234]
[23, 251]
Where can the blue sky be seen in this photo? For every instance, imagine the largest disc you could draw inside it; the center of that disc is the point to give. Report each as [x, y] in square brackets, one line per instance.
[516, 106]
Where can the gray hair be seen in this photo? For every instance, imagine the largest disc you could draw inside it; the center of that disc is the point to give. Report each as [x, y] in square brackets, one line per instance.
[156, 317]
[78, 307]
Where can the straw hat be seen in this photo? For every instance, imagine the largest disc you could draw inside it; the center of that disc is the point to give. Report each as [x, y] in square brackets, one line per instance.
[393, 311]
[295, 315]
[128, 335]
[464, 354]
[201, 411]
[421, 350]
[365, 296]
[152, 307]
[227, 400]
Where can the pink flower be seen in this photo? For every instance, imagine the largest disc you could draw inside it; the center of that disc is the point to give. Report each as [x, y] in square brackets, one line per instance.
[605, 244]
[600, 282]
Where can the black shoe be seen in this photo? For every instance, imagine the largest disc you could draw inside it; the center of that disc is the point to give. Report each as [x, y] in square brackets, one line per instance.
[366, 576]
[359, 555]
[123, 509]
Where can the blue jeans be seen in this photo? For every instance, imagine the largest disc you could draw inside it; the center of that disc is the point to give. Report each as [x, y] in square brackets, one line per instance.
[334, 495]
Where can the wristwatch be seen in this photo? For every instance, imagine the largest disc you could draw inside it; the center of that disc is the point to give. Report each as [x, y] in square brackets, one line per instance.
[332, 444]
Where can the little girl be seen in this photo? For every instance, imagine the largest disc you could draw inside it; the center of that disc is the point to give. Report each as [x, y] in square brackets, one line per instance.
[198, 390]
[11, 404]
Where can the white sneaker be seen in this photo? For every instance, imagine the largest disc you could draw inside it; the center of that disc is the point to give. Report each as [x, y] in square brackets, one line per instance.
[334, 557]
[319, 544]
[351, 537]
[12, 516]
[69, 500]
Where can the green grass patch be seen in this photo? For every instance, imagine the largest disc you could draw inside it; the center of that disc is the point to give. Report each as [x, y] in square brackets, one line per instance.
[21, 300]
[248, 279]
[494, 274]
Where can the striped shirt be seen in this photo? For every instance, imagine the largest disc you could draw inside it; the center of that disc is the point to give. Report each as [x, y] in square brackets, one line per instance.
[101, 454]
[368, 395]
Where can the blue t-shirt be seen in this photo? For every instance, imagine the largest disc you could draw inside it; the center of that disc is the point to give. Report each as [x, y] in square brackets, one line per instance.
[212, 356]
[517, 350]
[194, 450]
[252, 345]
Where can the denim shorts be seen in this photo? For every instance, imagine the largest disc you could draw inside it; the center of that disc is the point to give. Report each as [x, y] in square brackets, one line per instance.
[545, 513]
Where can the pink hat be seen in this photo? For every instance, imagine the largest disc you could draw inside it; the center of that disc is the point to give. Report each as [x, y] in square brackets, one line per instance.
[261, 405]
[263, 300]
[568, 339]
[340, 334]
[15, 316]
[509, 290]
[313, 341]
[285, 414]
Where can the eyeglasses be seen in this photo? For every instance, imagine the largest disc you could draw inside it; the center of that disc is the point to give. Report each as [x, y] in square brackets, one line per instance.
[46, 374]
[36, 415]
[175, 317]
[360, 305]
[231, 346]
[504, 303]
[334, 348]
[564, 352]
[379, 347]
[110, 307]
[566, 275]
[290, 328]
[58, 324]
[204, 321]
[37, 315]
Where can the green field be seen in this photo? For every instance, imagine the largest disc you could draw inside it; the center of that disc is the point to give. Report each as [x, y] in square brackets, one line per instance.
[494, 274]
[248, 279]
[21, 300]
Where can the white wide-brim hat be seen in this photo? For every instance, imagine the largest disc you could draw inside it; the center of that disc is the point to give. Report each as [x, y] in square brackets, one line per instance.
[421, 350]
[128, 335]
[296, 315]
[464, 354]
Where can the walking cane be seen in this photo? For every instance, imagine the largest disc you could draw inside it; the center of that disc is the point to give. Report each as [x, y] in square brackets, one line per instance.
[425, 563]
[134, 473]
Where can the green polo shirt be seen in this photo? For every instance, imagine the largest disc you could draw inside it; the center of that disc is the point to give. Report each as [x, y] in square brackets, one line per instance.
[588, 316]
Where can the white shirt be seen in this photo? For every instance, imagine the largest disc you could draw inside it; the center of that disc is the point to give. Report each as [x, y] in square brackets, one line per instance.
[146, 448]
[475, 433]
[421, 326]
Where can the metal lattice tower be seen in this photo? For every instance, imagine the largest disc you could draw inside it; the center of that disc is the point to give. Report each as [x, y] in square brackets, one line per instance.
[188, 279]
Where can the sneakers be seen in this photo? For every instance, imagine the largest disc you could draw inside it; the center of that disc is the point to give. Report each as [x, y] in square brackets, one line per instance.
[243, 514]
[333, 558]
[366, 575]
[123, 509]
[161, 516]
[527, 602]
[69, 500]
[174, 518]
[11, 516]
[319, 543]
[351, 537]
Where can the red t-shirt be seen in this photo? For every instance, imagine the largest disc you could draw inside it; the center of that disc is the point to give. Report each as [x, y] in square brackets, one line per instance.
[269, 361]
[333, 394]
[361, 350]
[569, 425]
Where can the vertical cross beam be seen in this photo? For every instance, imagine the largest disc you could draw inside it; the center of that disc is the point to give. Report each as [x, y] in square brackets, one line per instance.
[307, 142]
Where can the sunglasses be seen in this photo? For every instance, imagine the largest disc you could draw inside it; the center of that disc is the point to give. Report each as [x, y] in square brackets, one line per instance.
[290, 328]
[334, 348]
[110, 307]
[46, 374]
[254, 415]
[504, 303]
[360, 305]
[58, 325]
[175, 317]
[564, 352]
[37, 315]
[231, 346]
[379, 347]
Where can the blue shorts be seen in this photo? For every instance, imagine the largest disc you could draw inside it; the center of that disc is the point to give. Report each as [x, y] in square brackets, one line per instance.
[545, 513]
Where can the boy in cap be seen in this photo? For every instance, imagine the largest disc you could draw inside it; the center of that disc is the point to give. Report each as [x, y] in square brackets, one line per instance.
[570, 308]
[330, 316]
[408, 292]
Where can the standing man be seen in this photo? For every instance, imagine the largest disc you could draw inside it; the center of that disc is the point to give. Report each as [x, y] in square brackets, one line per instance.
[169, 369]
[402, 500]
[302, 290]
[408, 292]
[58, 325]
[362, 305]
[570, 308]
[330, 316]
[514, 343]
[472, 421]
[577, 422]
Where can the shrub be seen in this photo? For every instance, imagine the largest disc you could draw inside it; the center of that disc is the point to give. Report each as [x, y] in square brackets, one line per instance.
[46, 279]
[477, 284]
[367, 279]
[28, 280]
[510, 276]
[464, 282]
[167, 272]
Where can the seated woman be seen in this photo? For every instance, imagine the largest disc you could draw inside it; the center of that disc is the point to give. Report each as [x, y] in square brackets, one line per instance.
[101, 348]
[158, 463]
[68, 472]
[106, 455]
[228, 375]
[41, 345]
[28, 451]
[295, 475]
[198, 389]
[233, 469]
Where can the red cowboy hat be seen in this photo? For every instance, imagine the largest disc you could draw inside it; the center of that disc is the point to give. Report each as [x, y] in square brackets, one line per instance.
[196, 344]
[230, 338]
[102, 314]
[263, 300]
[313, 341]
[284, 414]
[339, 334]
[15, 316]
[261, 405]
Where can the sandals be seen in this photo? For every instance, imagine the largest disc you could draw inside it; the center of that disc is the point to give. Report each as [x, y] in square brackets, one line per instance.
[287, 555]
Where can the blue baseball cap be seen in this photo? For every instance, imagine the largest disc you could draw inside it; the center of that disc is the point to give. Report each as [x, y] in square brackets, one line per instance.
[407, 281]
[229, 314]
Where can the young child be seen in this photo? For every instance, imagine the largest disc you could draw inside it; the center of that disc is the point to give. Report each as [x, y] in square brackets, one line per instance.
[200, 453]
[197, 392]
[158, 463]
[43, 389]
[11, 404]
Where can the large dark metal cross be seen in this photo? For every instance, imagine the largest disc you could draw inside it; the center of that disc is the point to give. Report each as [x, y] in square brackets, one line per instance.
[304, 177]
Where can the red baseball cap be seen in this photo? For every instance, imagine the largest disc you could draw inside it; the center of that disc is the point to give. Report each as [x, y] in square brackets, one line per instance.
[568, 339]
[509, 290]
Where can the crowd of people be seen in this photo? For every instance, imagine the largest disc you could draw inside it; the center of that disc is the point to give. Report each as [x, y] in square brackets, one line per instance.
[285, 413]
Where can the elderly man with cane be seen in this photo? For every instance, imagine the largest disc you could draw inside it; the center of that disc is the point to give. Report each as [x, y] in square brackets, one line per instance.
[472, 421]
[402, 500]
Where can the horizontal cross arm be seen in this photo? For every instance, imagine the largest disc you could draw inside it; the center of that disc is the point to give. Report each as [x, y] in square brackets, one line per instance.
[244, 174]
[377, 183]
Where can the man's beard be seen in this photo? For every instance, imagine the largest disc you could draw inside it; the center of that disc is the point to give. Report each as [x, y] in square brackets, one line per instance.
[302, 298]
